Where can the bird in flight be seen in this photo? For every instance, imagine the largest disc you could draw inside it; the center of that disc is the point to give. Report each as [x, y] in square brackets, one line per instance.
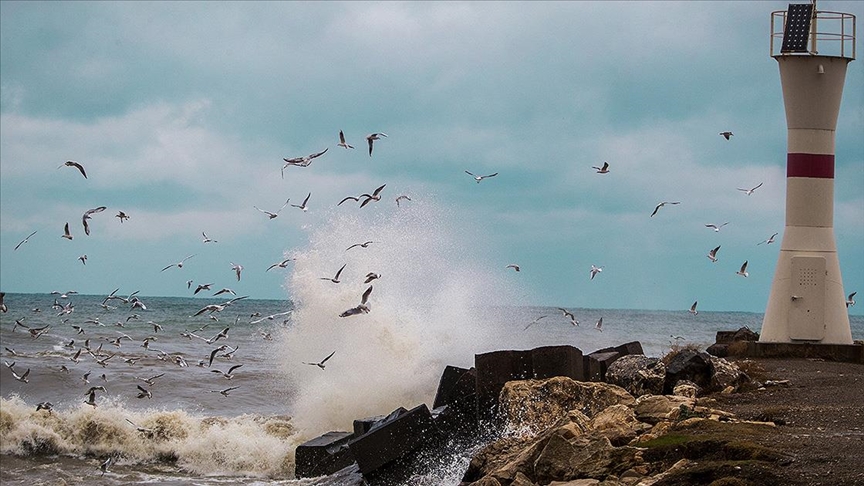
[321, 363]
[481, 177]
[594, 271]
[202, 287]
[569, 315]
[282, 264]
[375, 196]
[535, 321]
[599, 325]
[144, 392]
[371, 276]
[336, 278]
[513, 266]
[83, 259]
[302, 206]
[360, 309]
[207, 239]
[342, 142]
[229, 374]
[727, 135]
[850, 301]
[715, 227]
[25, 240]
[750, 191]
[657, 208]
[712, 255]
[122, 216]
[72, 163]
[237, 269]
[178, 264]
[87, 216]
[272, 215]
[602, 170]
[693, 308]
[302, 161]
[66, 233]
[743, 270]
[361, 245]
[226, 391]
[401, 198]
[769, 240]
[371, 138]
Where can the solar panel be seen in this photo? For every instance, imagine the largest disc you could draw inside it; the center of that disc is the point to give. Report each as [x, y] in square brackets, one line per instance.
[797, 30]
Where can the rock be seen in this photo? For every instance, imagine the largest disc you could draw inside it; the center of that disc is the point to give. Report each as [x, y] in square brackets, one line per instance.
[486, 481]
[656, 408]
[323, 455]
[538, 404]
[576, 482]
[522, 480]
[393, 439]
[726, 374]
[687, 389]
[582, 457]
[690, 365]
[745, 334]
[618, 424]
[638, 374]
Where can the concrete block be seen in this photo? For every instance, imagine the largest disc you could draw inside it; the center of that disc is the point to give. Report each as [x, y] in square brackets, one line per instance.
[493, 370]
[447, 385]
[323, 455]
[549, 361]
[597, 364]
[393, 439]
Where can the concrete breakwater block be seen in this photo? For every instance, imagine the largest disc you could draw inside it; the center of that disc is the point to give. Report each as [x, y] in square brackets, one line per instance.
[393, 439]
[551, 361]
[455, 403]
[447, 385]
[361, 426]
[494, 369]
[323, 455]
[597, 363]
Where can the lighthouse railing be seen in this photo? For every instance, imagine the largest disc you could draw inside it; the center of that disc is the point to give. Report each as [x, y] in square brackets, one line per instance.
[832, 34]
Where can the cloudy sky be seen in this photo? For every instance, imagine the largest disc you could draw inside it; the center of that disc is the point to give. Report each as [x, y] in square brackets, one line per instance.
[181, 113]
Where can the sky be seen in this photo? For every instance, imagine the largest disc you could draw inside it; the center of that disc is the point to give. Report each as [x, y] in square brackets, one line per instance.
[181, 114]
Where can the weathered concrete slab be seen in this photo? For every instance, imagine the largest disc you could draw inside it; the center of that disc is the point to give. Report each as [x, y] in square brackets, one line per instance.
[551, 361]
[323, 455]
[597, 363]
[847, 353]
[446, 386]
[493, 371]
[393, 439]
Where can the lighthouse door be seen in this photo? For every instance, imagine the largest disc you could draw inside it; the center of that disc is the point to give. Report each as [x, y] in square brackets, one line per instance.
[807, 309]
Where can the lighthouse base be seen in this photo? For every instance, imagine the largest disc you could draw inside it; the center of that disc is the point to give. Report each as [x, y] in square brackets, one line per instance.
[846, 353]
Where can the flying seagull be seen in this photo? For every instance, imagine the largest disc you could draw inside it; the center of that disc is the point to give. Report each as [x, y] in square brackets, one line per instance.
[237, 269]
[715, 227]
[371, 276]
[229, 374]
[207, 239]
[360, 309]
[850, 301]
[321, 363]
[375, 196]
[178, 264]
[657, 208]
[693, 308]
[727, 135]
[25, 240]
[594, 271]
[712, 255]
[21, 378]
[750, 191]
[122, 216]
[769, 240]
[599, 325]
[104, 466]
[72, 163]
[336, 278]
[743, 271]
[87, 216]
[534, 322]
[342, 142]
[83, 259]
[481, 177]
[272, 215]
[301, 161]
[371, 138]
[226, 391]
[569, 315]
[66, 233]
[303, 206]
[282, 264]
[401, 198]
[144, 392]
[513, 266]
[361, 245]
[602, 170]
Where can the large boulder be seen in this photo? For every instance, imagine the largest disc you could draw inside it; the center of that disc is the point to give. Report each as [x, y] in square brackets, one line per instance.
[534, 405]
[691, 365]
[658, 408]
[618, 424]
[582, 457]
[726, 374]
[638, 374]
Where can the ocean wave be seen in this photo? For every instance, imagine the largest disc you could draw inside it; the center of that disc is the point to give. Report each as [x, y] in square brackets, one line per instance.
[248, 445]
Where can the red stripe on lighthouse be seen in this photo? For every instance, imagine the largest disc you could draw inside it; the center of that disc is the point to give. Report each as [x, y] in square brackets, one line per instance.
[810, 165]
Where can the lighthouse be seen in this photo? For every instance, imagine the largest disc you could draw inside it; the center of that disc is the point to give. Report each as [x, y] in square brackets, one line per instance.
[807, 303]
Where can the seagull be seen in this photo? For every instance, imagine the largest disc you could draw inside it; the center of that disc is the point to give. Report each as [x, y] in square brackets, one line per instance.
[107, 463]
[121, 215]
[282, 264]
[344, 144]
[602, 170]
[302, 161]
[76, 358]
[222, 334]
[726, 135]
[693, 308]
[321, 364]
[371, 276]
[401, 198]
[66, 233]
[189, 284]
[569, 315]
[202, 287]
[303, 206]
[150, 380]
[347, 198]
[850, 301]
[3, 307]
[533, 322]
[22, 378]
[599, 325]
[371, 138]
[594, 271]
[86, 377]
[213, 354]
[769, 240]
[237, 269]
[375, 196]
[229, 374]
[144, 392]
[225, 291]
[44, 406]
[143, 430]
[360, 309]
[272, 215]
[86, 216]
[480, 178]
[513, 266]
[712, 255]
[83, 259]
[361, 245]
[207, 239]
[336, 278]
[657, 208]
[72, 163]
[743, 271]
[25, 240]
[178, 264]
[35, 332]
[750, 191]
[715, 227]
[226, 391]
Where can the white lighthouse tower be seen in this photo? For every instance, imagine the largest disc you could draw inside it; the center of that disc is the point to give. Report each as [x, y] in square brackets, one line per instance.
[807, 303]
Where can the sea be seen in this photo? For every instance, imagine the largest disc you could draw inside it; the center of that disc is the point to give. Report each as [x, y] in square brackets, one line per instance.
[224, 395]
